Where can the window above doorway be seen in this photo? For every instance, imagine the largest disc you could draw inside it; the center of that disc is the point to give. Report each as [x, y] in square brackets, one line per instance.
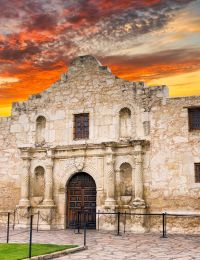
[194, 118]
[81, 126]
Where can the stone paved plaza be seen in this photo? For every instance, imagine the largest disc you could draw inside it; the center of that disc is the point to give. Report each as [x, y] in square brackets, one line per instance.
[105, 245]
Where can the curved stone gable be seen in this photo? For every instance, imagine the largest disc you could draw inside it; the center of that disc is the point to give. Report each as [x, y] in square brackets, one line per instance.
[158, 153]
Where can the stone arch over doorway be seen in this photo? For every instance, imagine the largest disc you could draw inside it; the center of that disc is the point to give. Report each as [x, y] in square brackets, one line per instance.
[81, 200]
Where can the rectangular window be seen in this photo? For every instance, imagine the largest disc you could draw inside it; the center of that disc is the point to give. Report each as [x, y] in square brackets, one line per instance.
[197, 172]
[81, 126]
[194, 118]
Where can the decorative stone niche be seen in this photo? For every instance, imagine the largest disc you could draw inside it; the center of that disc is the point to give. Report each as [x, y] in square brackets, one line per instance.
[38, 186]
[40, 130]
[126, 184]
[125, 123]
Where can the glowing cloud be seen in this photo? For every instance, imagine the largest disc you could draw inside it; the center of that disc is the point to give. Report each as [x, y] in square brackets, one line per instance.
[151, 40]
[4, 80]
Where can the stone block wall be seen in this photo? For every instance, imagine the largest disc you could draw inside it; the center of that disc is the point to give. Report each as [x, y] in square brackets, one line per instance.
[169, 170]
[88, 87]
[9, 167]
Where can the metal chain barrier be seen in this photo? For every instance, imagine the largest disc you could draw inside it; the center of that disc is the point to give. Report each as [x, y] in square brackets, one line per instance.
[81, 220]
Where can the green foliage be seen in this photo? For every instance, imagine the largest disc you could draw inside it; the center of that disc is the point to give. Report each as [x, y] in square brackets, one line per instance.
[14, 251]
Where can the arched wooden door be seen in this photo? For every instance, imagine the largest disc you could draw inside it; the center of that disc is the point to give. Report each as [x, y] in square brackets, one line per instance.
[81, 197]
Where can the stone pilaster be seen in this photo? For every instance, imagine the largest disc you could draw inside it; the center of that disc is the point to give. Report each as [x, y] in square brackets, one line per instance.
[110, 201]
[146, 125]
[48, 193]
[25, 182]
[138, 202]
[117, 185]
[24, 209]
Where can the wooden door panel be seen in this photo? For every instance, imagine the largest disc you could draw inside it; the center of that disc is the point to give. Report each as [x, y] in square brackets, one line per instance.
[81, 197]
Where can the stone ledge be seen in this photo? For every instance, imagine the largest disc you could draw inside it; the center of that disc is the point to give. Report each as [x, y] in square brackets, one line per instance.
[58, 253]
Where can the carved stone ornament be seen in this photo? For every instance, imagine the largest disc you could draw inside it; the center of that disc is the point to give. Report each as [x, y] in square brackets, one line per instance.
[139, 203]
[110, 160]
[69, 164]
[79, 163]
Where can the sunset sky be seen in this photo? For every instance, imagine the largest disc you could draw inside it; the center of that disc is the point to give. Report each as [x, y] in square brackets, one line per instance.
[156, 41]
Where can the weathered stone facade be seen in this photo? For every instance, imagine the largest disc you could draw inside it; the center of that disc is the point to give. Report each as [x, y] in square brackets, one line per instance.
[139, 151]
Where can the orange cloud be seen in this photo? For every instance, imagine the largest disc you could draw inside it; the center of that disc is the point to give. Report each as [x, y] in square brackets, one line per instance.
[147, 67]
[38, 39]
[112, 5]
[167, 67]
[33, 82]
[184, 84]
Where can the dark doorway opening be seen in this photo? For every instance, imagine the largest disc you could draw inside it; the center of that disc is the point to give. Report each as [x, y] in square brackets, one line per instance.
[81, 201]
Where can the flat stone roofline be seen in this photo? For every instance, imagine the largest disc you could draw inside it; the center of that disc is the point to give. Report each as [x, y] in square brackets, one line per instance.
[30, 148]
[86, 59]
[87, 63]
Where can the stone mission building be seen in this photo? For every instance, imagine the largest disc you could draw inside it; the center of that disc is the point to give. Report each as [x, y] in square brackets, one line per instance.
[93, 141]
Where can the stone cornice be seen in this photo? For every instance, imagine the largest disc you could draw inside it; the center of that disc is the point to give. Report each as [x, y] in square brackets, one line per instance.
[140, 142]
[50, 151]
[25, 153]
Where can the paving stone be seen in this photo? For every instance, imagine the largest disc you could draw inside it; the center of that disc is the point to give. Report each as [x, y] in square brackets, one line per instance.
[106, 246]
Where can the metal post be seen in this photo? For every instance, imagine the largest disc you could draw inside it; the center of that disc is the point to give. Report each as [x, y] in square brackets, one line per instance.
[118, 223]
[78, 222]
[14, 219]
[74, 222]
[80, 219]
[8, 227]
[30, 236]
[98, 218]
[38, 220]
[85, 228]
[163, 225]
[124, 222]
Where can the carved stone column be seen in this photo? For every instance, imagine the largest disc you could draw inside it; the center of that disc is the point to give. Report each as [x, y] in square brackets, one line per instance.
[48, 192]
[138, 201]
[110, 178]
[117, 185]
[25, 182]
